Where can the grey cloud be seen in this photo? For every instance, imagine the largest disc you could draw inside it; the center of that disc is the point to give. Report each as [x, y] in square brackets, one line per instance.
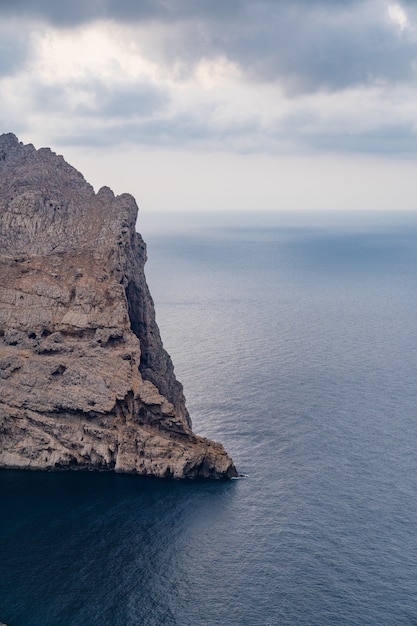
[124, 101]
[249, 137]
[79, 11]
[178, 129]
[164, 132]
[13, 51]
[307, 45]
[394, 139]
[307, 131]
[58, 13]
[311, 47]
[104, 100]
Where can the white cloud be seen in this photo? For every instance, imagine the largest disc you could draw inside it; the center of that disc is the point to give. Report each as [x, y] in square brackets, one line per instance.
[100, 50]
[398, 15]
[217, 72]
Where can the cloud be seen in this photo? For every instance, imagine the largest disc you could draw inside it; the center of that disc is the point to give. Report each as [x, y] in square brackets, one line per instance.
[304, 47]
[57, 13]
[94, 98]
[125, 101]
[281, 102]
[80, 12]
[398, 15]
[349, 122]
[266, 75]
[320, 44]
[15, 48]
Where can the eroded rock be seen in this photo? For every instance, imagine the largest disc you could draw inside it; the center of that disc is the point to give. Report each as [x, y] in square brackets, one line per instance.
[85, 382]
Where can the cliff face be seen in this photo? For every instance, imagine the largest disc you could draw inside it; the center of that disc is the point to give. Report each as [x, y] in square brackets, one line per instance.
[85, 382]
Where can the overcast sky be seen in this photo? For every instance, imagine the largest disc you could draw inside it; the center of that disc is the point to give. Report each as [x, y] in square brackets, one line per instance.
[220, 104]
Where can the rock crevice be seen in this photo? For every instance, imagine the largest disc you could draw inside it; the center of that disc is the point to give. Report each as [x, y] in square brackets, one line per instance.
[85, 382]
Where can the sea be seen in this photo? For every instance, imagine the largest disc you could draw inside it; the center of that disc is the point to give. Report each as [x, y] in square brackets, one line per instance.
[294, 335]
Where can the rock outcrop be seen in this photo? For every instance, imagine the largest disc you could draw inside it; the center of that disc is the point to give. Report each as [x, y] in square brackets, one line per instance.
[85, 382]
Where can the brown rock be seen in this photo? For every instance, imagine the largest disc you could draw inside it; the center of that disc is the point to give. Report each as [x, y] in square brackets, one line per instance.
[85, 382]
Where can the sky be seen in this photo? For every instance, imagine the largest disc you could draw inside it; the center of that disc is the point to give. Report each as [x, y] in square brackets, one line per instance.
[214, 105]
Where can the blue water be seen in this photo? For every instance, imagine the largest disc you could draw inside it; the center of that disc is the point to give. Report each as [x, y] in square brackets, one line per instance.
[295, 339]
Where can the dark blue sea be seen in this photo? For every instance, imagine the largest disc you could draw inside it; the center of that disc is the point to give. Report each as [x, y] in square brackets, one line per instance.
[295, 338]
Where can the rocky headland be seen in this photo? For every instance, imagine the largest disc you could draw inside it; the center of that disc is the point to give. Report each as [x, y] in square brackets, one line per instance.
[85, 382]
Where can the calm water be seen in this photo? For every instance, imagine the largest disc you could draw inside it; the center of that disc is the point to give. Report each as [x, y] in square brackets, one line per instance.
[296, 343]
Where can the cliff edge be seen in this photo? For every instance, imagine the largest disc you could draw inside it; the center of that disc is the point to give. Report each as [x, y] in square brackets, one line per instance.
[85, 382]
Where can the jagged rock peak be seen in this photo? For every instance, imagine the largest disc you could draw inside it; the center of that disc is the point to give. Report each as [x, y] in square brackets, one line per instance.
[85, 382]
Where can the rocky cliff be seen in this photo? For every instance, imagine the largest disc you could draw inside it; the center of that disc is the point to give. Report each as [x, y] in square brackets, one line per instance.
[85, 382]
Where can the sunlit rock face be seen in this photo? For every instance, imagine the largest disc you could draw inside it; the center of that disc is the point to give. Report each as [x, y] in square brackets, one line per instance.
[85, 382]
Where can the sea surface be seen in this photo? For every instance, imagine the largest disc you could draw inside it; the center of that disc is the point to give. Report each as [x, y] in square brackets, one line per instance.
[295, 339]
